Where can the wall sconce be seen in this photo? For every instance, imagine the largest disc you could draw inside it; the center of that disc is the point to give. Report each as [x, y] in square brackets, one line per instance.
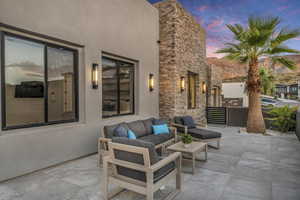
[182, 84]
[151, 82]
[95, 69]
[204, 87]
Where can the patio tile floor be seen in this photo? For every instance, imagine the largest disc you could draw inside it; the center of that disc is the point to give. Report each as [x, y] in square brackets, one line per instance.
[247, 167]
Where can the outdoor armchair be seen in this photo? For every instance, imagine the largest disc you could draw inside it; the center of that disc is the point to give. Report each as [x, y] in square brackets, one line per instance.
[137, 167]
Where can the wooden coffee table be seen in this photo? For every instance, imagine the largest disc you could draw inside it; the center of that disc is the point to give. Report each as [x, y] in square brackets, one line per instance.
[191, 151]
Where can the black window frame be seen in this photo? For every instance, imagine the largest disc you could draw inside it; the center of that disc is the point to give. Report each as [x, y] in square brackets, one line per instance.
[196, 76]
[3, 92]
[121, 60]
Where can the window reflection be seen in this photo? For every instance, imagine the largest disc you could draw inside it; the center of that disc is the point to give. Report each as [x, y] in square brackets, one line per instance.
[117, 87]
[61, 95]
[24, 81]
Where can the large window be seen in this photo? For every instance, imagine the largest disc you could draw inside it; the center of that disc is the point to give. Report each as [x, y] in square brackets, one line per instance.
[39, 83]
[192, 95]
[117, 87]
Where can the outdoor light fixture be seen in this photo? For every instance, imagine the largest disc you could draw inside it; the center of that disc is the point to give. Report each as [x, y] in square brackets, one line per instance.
[151, 82]
[182, 84]
[204, 87]
[95, 69]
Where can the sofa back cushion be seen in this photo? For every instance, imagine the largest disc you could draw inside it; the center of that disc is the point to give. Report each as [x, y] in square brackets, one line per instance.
[109, 131]
[159, 121]
[148, 125]
[135, 157]
[138, 128]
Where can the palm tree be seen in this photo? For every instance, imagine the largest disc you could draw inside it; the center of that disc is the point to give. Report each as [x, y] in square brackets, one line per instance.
[267, 81]
[261, 38]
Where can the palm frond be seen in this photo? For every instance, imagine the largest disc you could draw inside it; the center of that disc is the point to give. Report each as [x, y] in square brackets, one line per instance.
[282, 49]
[284, 35]
[286, 62]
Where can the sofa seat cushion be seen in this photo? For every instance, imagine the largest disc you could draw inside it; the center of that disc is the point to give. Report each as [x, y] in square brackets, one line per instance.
[138, 128]
[157, 139]
[204, 133]
[148, 125]
[141, 176]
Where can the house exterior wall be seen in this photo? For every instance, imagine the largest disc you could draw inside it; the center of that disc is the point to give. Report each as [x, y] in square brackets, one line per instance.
[182, 50]
[234, 94]
[128, 28]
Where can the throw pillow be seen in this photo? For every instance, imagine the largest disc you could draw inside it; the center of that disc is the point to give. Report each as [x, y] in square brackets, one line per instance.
[189, 122]
[131, 135]
[160, 129]
[120, 131]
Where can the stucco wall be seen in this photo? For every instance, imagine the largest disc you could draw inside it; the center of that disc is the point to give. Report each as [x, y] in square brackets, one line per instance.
[127, 28]
[182, 50]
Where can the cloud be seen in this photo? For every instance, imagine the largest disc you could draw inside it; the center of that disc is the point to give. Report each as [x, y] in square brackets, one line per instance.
[211, 51]
[202, 8]
[297, 38]
[215, 23]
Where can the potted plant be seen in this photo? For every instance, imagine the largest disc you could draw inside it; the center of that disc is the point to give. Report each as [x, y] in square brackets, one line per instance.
[186, 140]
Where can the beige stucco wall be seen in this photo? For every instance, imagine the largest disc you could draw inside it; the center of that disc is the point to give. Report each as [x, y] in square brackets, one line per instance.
[128, 28]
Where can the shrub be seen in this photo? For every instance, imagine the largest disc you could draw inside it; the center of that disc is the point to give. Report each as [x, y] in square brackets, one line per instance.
[187, 138]
[283, 117]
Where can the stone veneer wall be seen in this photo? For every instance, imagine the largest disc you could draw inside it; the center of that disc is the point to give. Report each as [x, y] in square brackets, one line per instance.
[215, 81]
[182, 49]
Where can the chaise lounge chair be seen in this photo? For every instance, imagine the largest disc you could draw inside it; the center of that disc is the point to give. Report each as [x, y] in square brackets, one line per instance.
[186, 124]
[137, 167]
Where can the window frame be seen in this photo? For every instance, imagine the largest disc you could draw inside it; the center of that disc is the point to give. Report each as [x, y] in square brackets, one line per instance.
[122, 60]
[196, 76]
[3, 89]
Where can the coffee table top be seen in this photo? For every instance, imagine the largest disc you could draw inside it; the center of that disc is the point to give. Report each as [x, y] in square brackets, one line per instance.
[194, 147]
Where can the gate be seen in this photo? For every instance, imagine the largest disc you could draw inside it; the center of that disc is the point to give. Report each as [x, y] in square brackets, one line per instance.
[216, 115]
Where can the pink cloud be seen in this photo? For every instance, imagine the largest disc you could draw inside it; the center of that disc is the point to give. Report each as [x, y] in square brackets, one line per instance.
[297, 38]
[215, 23]
[202, 8]
[211, 51]
[281, 8]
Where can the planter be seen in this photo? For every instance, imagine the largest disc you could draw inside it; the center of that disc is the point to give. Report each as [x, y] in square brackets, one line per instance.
[186, 145]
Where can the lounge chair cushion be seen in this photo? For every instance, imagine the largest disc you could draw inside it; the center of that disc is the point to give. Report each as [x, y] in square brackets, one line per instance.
[204, 133]
[148, 125]
[138, 159]
[157, 139]
[189, 122]
[138, 128]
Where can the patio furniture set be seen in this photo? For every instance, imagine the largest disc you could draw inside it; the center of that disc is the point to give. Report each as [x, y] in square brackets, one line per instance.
[151, 158]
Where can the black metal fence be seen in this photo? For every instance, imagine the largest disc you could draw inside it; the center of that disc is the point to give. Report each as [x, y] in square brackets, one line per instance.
[232, 116]
[216, 115]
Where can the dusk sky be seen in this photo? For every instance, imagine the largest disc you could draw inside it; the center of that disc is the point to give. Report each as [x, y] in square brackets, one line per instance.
[213, 15]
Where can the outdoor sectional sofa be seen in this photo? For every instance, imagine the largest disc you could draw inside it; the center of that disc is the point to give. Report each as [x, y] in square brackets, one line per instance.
[143, 131]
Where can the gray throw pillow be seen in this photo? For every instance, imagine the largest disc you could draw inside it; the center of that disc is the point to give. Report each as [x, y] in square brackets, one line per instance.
[189, 122]
[120, 131]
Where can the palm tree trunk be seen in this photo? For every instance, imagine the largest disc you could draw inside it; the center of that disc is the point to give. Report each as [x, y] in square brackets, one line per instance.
[255, 123]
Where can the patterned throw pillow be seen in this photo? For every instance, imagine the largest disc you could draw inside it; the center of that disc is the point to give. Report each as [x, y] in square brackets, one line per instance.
[120, 131]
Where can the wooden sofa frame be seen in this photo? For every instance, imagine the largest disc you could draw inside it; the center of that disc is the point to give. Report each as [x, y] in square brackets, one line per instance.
[145, 188]
[103, 145]
[218, 140]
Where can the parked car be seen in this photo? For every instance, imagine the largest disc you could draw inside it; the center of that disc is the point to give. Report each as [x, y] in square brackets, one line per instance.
[267, 101]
